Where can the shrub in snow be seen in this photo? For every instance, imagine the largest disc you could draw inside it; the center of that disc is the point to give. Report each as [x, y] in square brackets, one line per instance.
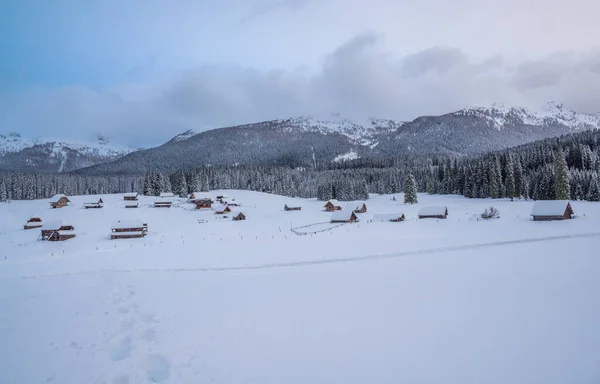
[492, 213]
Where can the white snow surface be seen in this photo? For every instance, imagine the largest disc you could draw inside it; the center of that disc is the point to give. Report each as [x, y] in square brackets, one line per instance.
[549, 208]
[352, 155]
[205, 300]
[125, 224]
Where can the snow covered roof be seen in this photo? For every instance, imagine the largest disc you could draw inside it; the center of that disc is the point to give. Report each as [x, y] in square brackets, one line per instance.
[57, 197]
[167, 194]
[219, 207]
[432, 211]
[131, 203]
[387, 216]
[54, 224]
[334, 202]
[549, 208]
[163, 200]
[131, 194]
[124, 224]
[342, 215]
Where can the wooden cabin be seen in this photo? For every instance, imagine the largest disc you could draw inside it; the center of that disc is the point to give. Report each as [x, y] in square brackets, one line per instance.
[292, 208]
[333, 205]
[168, 195]
[239, 216]
[389, 217]
[59, 201]
[131, 204]
[98, 204]
[547, 210]
[361, 208]
[221, 209]
[203, 203]
[163, 203]
[433, 212]
[57, 231]
[33, 222]
[128, 229]
[133, 196]
[344, 217]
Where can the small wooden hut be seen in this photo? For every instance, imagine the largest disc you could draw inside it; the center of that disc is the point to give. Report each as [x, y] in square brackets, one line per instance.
[333, 205]
[59, 201]
[239, 216]
[128, 229]
[133, 196]
[57, 231]
[163, 203]
[547, 210]
[131, 204]
[221, 209]
[344, 217]
[33, 222]
[292, 208]
[97, 204]
[203, 203]
[168, 195]
[389, 217]
[433, 212]
[361, 208]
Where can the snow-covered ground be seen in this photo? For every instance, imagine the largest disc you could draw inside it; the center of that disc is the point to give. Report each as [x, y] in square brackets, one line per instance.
[209, 300]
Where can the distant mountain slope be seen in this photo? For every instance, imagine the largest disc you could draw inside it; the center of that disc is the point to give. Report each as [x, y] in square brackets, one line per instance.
[20, 154]
[309, 141]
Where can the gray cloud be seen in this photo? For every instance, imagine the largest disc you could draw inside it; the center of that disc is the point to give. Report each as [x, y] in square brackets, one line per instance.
[357, 80]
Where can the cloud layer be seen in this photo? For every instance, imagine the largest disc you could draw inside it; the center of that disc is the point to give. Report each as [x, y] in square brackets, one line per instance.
[358, 79]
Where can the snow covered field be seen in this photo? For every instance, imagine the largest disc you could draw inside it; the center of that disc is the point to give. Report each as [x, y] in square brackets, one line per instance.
[422, 301]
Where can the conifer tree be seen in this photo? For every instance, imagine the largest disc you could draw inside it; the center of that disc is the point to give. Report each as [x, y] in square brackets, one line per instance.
[561, 177]
[511, 191]
[594, 191]
[410, 189]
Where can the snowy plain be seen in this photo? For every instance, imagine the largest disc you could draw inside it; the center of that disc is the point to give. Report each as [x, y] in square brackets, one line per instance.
[204, 299]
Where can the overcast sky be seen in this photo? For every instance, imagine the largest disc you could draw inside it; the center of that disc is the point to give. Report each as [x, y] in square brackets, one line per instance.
[141, 71]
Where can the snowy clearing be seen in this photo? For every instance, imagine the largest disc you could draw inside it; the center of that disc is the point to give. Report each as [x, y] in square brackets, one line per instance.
[202, 298]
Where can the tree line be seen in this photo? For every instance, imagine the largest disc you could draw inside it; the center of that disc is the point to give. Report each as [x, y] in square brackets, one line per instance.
[567, 167]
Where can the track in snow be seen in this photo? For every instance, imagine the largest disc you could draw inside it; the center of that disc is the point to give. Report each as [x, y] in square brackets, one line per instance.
[333, 261]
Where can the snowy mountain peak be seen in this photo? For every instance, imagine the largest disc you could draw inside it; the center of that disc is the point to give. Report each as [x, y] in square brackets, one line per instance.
[184, 136]
[499, 115]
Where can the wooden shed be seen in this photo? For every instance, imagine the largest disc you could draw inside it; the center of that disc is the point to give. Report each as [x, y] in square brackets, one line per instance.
[33, 222]
[344, 217]
[97, 204]
[239, 216]
[546, 210]
[167, 195]
[163, 203]
[361, 208]
[333, 205]
[292, 208]
[389, 217]
[433, 212]
[221, 209]
[57, 231]
[59, 201]
[128, 229]
[133, 196]
[203, 203]
[131, 204]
